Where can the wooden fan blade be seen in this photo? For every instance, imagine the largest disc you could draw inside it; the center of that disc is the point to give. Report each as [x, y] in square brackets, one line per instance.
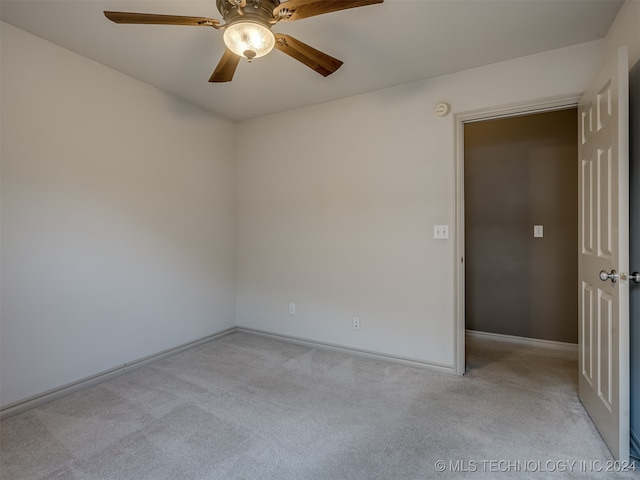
[153, 19]
[298, 9]
[226, 67]
[322, 63]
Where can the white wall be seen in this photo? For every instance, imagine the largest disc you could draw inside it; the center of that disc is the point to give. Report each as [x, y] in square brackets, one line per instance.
[118, 219]
[626, 31]
[337, 203]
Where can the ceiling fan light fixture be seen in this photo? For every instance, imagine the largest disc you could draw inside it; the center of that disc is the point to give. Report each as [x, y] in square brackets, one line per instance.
[249, 39]
[247, 30]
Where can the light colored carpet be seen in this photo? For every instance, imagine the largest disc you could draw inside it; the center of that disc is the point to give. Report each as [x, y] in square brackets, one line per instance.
[246, 407]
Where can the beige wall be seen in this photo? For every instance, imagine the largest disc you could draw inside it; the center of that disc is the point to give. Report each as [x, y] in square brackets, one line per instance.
[337, 203]
[520, 172]
[117, 219]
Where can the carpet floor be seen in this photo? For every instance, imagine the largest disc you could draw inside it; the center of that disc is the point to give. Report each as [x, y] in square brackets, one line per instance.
[247, 407]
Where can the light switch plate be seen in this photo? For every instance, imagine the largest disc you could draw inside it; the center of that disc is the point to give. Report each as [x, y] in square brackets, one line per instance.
[441, 231]
[538, 231]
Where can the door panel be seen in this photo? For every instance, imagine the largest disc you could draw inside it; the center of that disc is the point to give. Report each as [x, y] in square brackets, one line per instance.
[604, 246]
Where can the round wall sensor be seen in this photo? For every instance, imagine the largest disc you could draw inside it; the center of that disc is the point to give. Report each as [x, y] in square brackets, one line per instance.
[442, 109]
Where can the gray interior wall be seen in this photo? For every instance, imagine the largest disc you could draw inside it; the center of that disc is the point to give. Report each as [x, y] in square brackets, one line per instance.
[634, 251]
[521, 172]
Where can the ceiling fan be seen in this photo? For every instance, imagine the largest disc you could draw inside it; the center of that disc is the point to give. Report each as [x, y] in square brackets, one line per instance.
[247, 30]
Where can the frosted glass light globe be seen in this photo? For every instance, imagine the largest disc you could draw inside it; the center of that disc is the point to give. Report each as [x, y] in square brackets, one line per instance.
[248, 39]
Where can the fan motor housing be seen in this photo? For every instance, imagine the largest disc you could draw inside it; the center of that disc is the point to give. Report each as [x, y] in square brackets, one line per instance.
[260, 11]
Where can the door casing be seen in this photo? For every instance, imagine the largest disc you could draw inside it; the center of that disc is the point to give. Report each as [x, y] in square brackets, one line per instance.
[544, 105]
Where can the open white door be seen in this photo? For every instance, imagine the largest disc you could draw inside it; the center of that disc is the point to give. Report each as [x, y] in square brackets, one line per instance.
[603, 336]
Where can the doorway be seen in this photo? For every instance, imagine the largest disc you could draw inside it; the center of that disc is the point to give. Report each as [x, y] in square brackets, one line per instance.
[603, 250]
[540, 106]
[520, 203]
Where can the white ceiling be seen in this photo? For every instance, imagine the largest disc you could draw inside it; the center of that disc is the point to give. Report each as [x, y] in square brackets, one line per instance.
[383, 45]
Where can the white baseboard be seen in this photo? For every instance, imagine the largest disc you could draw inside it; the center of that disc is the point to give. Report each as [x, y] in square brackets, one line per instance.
[533, 342]
[50, 395]
[436, 367]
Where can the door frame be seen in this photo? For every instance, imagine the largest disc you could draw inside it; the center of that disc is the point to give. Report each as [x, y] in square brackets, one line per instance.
[513, 110]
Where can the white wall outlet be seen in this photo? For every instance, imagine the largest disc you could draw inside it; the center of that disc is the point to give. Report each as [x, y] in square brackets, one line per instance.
[356, 323]
[538, 231]
[292, 309]
[441, 231]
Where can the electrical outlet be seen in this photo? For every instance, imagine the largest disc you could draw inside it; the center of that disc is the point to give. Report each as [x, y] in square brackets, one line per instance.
[292, 309]
[356, 323]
